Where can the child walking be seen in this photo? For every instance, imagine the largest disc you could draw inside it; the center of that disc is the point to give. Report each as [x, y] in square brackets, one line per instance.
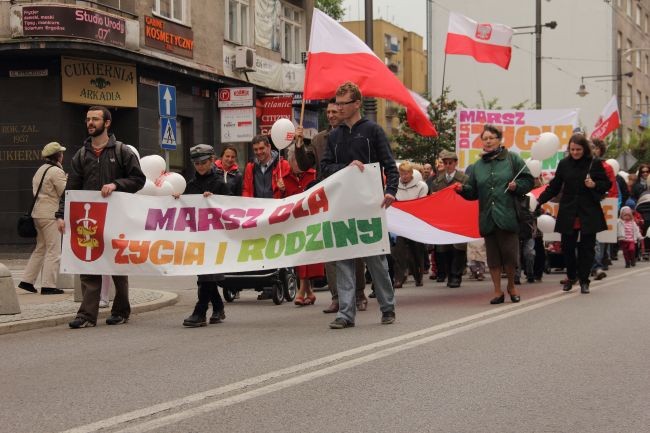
[628, 234]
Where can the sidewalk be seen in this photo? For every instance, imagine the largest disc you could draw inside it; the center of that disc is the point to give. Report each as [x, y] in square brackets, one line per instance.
[41, 311]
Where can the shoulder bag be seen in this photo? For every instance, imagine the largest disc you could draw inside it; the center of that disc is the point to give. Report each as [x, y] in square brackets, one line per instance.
[25, 226]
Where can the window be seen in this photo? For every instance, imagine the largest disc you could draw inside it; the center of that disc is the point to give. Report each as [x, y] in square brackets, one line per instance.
[645, 24]
[646, 65]
[619, 40]
[639, 100]
[237, 21]
[628, 45]
[292, 33]
[174, 10]
[647, 104]
[629, 8]
[639, 15]
[122, 5]
[628, 96]
[637, 60]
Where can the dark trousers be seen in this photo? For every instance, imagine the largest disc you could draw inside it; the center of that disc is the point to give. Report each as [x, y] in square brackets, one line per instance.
[208, 292]
[408, 254]
[540, 258]
[91, 287]
[359, 277]
[579, 255]
[451, 262]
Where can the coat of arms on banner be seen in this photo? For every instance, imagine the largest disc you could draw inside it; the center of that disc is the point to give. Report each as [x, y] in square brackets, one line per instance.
[87, 220]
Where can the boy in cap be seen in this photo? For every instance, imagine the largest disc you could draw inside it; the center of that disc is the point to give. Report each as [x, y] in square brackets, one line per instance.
[206, 182]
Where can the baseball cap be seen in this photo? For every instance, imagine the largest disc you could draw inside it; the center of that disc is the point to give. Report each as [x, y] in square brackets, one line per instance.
[201, 152]
[52, 148]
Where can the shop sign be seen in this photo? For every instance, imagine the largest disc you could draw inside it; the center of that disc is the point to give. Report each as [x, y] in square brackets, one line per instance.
[237, 124]
[28, 73]
[91, 82]
[230, 97]
[274, 108]
[51, 20]
[169, 37]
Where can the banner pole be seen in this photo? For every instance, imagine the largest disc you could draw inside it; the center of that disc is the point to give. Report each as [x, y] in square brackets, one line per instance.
[444, 69]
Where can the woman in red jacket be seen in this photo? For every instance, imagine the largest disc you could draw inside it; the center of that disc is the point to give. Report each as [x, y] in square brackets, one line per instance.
[295, 182]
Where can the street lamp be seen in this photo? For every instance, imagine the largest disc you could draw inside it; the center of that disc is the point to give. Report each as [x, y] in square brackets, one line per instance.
[582, 90]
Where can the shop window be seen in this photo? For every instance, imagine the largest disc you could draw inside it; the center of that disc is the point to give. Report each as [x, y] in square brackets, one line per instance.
[292, 37]
[237, 21]
[112, 6]
[174, 10]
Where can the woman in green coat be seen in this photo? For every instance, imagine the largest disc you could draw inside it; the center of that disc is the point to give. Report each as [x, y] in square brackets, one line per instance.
[494, 182]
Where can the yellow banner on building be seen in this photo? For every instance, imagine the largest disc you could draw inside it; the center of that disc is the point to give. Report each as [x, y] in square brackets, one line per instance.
[98, 82]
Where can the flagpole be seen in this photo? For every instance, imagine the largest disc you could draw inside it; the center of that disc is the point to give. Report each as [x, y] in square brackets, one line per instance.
[444, 68]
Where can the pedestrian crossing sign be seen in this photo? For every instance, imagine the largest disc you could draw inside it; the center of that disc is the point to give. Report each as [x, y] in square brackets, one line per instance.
[168, 133]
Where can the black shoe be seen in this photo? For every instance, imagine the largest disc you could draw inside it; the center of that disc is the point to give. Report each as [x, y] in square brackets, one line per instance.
[600, 275]
[263, 296]
[517, 281]
[217, 317]
[372, 295]
[515, 298]
[340, 323]
[195, 321]
[116, 320]
[80, 322]
[453, 284]
[27, 286]
[627, 264]
[584, 287]
[387, 317]
[568, 285]
[530, 279]
[498, 300]
[51, 291]
[441, 279]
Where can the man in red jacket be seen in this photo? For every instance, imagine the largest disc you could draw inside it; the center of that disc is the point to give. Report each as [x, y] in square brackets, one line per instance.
[262, 174]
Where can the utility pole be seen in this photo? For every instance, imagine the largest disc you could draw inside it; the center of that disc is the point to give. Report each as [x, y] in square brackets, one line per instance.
[369, 104]
[430, 49]
[538, 54]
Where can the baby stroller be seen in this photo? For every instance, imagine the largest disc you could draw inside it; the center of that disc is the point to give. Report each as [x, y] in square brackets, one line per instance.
[276, 284]
[643, 208]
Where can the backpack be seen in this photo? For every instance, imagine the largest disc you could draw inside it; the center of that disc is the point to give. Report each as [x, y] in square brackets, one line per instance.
[119, 153]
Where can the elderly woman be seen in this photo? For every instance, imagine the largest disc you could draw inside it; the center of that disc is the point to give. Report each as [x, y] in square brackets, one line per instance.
[583, 182]
[496, 181]
[46, 256]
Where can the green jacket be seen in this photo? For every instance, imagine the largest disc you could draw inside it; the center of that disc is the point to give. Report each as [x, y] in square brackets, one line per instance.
[487, 184]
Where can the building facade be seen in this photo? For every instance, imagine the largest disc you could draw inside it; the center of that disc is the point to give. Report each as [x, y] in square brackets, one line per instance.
[403, 53]
[223, 58]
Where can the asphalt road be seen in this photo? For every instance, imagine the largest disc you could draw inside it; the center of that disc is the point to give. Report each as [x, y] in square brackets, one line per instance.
[556, 362]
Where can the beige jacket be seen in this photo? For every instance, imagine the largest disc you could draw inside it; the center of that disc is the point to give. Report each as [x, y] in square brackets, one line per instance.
[53, 186]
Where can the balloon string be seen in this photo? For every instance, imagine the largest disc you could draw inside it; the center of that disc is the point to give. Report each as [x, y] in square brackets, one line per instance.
[514, 178]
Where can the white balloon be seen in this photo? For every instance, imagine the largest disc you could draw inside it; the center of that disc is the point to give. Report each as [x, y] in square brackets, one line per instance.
[546, 223]
[624, 175]
[614, 164]
[532, 202]
[153, 166]
[177, 181]
[149, 188]
[282, 133]
[546, 146]
[535, 167]
[165, 189]
[134, 150]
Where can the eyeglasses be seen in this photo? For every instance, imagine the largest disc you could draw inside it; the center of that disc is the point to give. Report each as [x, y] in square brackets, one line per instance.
[340, 104]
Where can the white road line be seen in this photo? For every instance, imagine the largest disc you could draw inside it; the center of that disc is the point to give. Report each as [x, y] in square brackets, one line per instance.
[418, 338]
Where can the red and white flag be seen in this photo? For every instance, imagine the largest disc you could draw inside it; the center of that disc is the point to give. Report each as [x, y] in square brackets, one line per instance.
[441, 218]
[487, 43]
[608, 121]
[336, 55]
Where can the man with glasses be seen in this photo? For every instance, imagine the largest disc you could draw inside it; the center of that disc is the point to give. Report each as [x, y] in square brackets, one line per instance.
[355, 142]
[450, 259]
[105, 165]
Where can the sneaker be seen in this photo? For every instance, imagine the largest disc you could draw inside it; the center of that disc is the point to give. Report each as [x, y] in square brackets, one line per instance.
[104, 304]
[340, 323]
[80, 322]
[27, 286]
[195, 321]
[51, 291]
[116, 320]
[217, 317]
[584, 287]
[600, 275]
[387, 317]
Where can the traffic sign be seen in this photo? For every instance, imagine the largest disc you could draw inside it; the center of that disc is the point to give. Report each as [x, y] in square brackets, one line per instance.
[167, 100]
[168, 133]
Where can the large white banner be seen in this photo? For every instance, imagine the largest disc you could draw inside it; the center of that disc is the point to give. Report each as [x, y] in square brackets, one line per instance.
[610, 210]
[521, 128]
[127, 234]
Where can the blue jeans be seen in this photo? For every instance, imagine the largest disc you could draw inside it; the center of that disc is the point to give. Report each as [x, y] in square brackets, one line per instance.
[345, 283]
[598, 256]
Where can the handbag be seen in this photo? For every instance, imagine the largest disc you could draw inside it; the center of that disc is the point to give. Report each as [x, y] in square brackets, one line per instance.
[25, 226]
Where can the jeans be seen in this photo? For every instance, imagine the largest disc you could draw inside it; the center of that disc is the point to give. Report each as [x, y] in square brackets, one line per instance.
[345, 282]
[598, 256]
[527, 258]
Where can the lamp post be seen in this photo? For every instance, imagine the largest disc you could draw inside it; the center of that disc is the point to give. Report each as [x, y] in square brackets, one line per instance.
[582, 90]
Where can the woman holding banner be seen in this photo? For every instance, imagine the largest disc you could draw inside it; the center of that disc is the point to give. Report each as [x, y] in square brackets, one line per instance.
[582, 180]
[498, 169]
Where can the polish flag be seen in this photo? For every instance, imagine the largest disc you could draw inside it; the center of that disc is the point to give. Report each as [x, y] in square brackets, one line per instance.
[336, 55]
[487, 43]
[440, 218]
[608, 121]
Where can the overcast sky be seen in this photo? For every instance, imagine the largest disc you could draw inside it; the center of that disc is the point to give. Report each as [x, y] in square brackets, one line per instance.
[408, 14]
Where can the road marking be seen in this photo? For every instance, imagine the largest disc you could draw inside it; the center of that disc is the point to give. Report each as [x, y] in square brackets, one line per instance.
[417, 338]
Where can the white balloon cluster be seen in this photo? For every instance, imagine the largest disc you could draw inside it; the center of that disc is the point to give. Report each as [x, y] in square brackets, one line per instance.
[159, 181]
[545, 147]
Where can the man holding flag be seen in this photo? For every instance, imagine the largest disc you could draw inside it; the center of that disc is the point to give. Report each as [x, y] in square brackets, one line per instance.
[355, 142]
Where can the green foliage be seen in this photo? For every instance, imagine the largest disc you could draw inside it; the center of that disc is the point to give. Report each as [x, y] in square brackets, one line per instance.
[415, 147]
[332, 8]
[639, 145]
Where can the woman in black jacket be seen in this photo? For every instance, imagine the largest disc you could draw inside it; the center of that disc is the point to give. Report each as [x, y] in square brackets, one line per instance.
[581, 179]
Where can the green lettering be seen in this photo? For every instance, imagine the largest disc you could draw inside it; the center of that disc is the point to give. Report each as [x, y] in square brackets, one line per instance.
[295, 242]
[371, 231]
[327, 234]
[312, 243]
[345, 234]
[275, 246]
[251, 249]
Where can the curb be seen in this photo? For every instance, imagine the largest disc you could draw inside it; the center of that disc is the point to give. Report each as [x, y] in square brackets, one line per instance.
[167, 299]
